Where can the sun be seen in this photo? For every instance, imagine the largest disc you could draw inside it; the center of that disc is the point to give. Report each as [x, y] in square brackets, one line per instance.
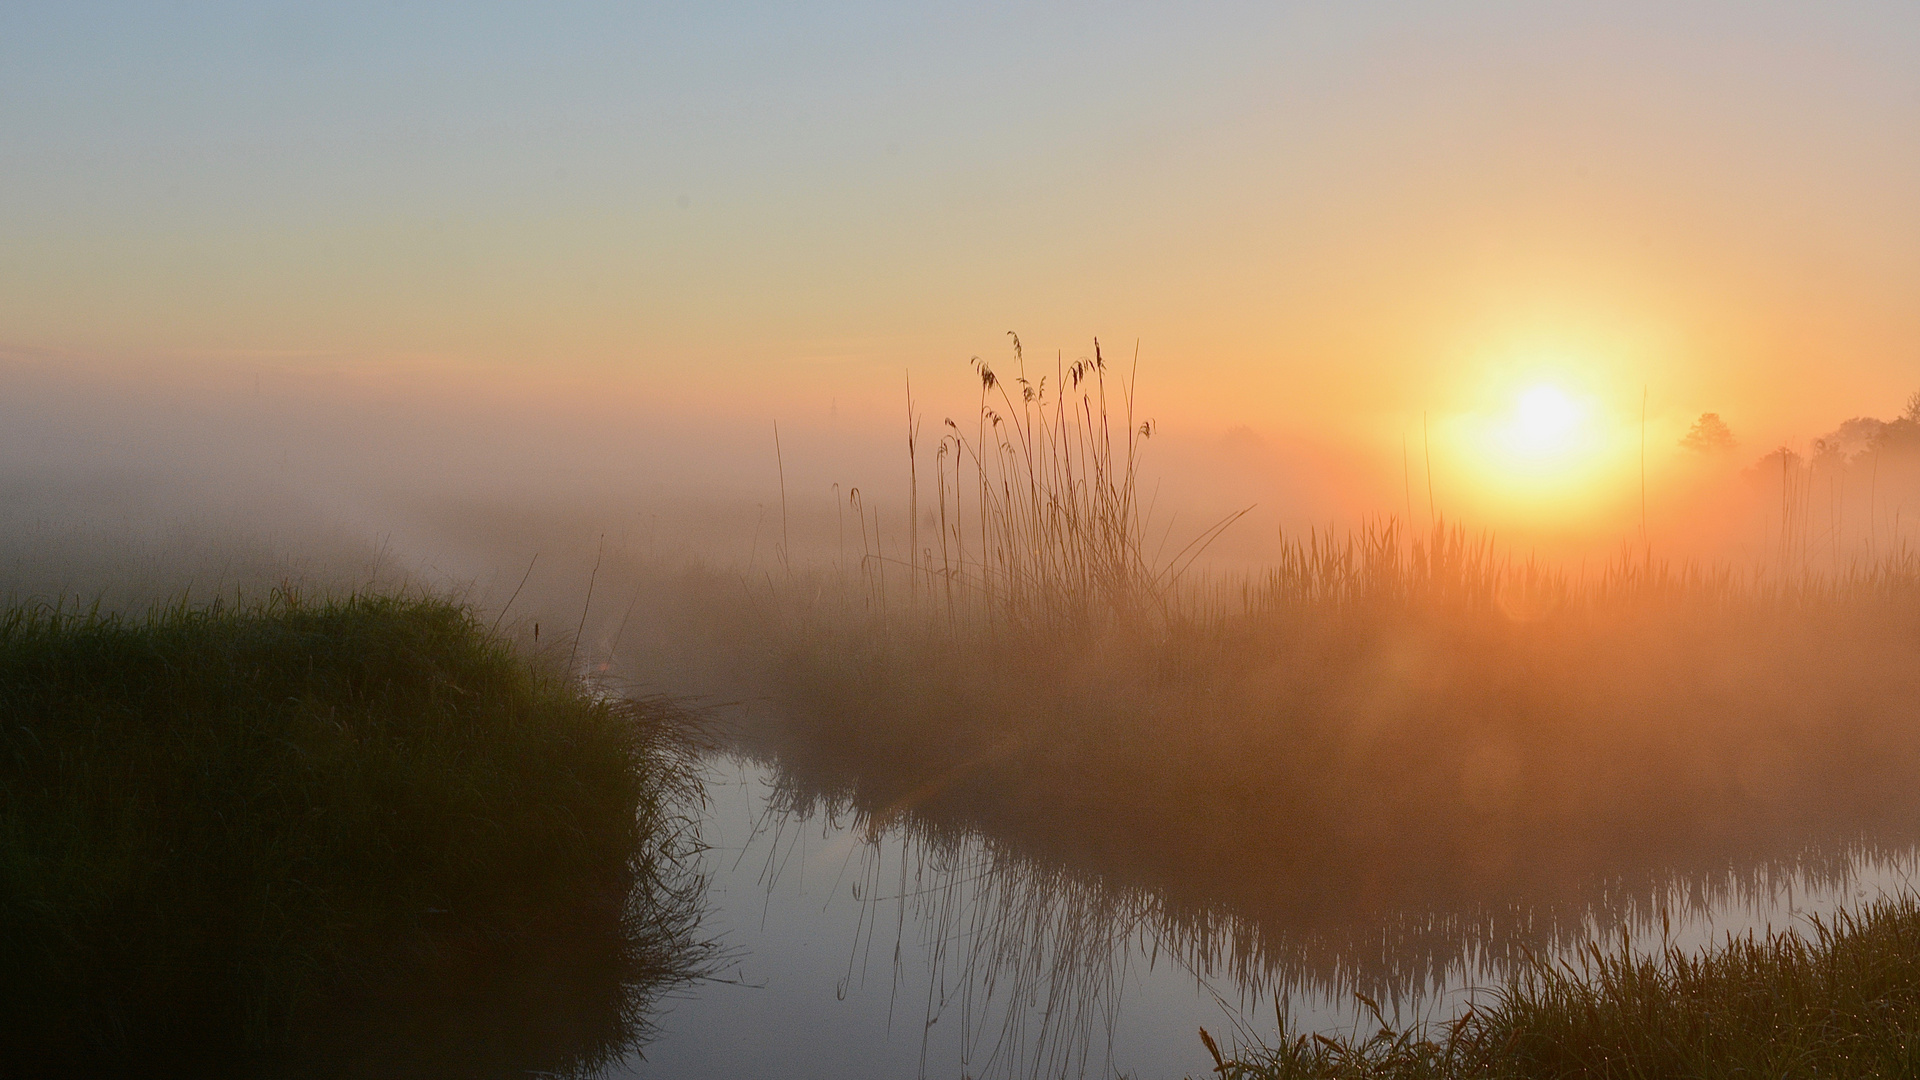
[1541, 442]
[1545, 445]
[1546, 423]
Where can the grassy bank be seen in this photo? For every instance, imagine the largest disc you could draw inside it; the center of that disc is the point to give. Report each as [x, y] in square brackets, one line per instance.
[326, 836]
[1842, 1000]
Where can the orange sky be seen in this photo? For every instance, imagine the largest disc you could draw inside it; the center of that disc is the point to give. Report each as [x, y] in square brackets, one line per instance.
[1319, 226]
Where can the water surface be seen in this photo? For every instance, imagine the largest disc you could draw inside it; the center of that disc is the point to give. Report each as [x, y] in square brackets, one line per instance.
[862, 948]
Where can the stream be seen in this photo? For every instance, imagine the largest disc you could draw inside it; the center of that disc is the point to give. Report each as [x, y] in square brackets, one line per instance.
[853, 950]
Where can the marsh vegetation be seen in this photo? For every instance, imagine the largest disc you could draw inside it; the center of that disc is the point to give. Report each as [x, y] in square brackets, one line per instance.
[1040, 729]
[1392, 726]
[329, 837]
[1837, 998]
[1410, 713]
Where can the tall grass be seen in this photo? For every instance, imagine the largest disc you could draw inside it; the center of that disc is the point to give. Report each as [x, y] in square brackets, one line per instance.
[1382, 722]
[1039, 528]
[327, 832]
[1053, 535]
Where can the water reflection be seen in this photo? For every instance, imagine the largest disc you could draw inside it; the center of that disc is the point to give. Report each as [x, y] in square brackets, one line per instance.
[555, 993]
[884, 945]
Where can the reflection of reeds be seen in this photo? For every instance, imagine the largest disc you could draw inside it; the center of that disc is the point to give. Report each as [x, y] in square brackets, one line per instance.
[1027, 957]
[1021, 970]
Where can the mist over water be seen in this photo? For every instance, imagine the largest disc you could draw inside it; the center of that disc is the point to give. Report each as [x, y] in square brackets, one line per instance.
[1162, 511]
[1040, 934]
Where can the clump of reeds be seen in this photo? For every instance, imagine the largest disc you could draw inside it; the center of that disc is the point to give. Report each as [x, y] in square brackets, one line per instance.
[325, 832]
[1040, 524]
[1840, 1001]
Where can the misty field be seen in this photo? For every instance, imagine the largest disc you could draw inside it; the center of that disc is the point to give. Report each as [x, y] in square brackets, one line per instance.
[1386, 721]
[530, 545]
[1389, 715]
[1408, 712]
[1391, 758]
[327, 838]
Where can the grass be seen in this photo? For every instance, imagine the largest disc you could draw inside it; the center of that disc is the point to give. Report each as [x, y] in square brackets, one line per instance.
[1841, 1001]
[1384, 722]
[327, 835]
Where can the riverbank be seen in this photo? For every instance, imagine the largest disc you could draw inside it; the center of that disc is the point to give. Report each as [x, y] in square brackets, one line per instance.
[1838, 999]
[327, 833]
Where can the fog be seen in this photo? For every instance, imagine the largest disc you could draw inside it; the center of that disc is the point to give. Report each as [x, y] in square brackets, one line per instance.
[1384, 793]
[662, 340]
[128, 482]
[133, 482]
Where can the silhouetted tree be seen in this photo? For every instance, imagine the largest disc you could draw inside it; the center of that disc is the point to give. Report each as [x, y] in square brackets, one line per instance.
[1902, 436]
[1852, 436]
[1709, 435]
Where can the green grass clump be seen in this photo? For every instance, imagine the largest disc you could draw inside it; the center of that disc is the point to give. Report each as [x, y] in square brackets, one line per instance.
[234, 839]
[1842, 1001]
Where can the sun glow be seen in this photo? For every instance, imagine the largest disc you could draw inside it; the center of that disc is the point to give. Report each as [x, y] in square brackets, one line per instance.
[1546, 422]
[1545, 450]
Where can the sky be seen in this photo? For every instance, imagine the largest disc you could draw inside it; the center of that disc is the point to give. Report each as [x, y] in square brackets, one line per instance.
[1338, 231]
